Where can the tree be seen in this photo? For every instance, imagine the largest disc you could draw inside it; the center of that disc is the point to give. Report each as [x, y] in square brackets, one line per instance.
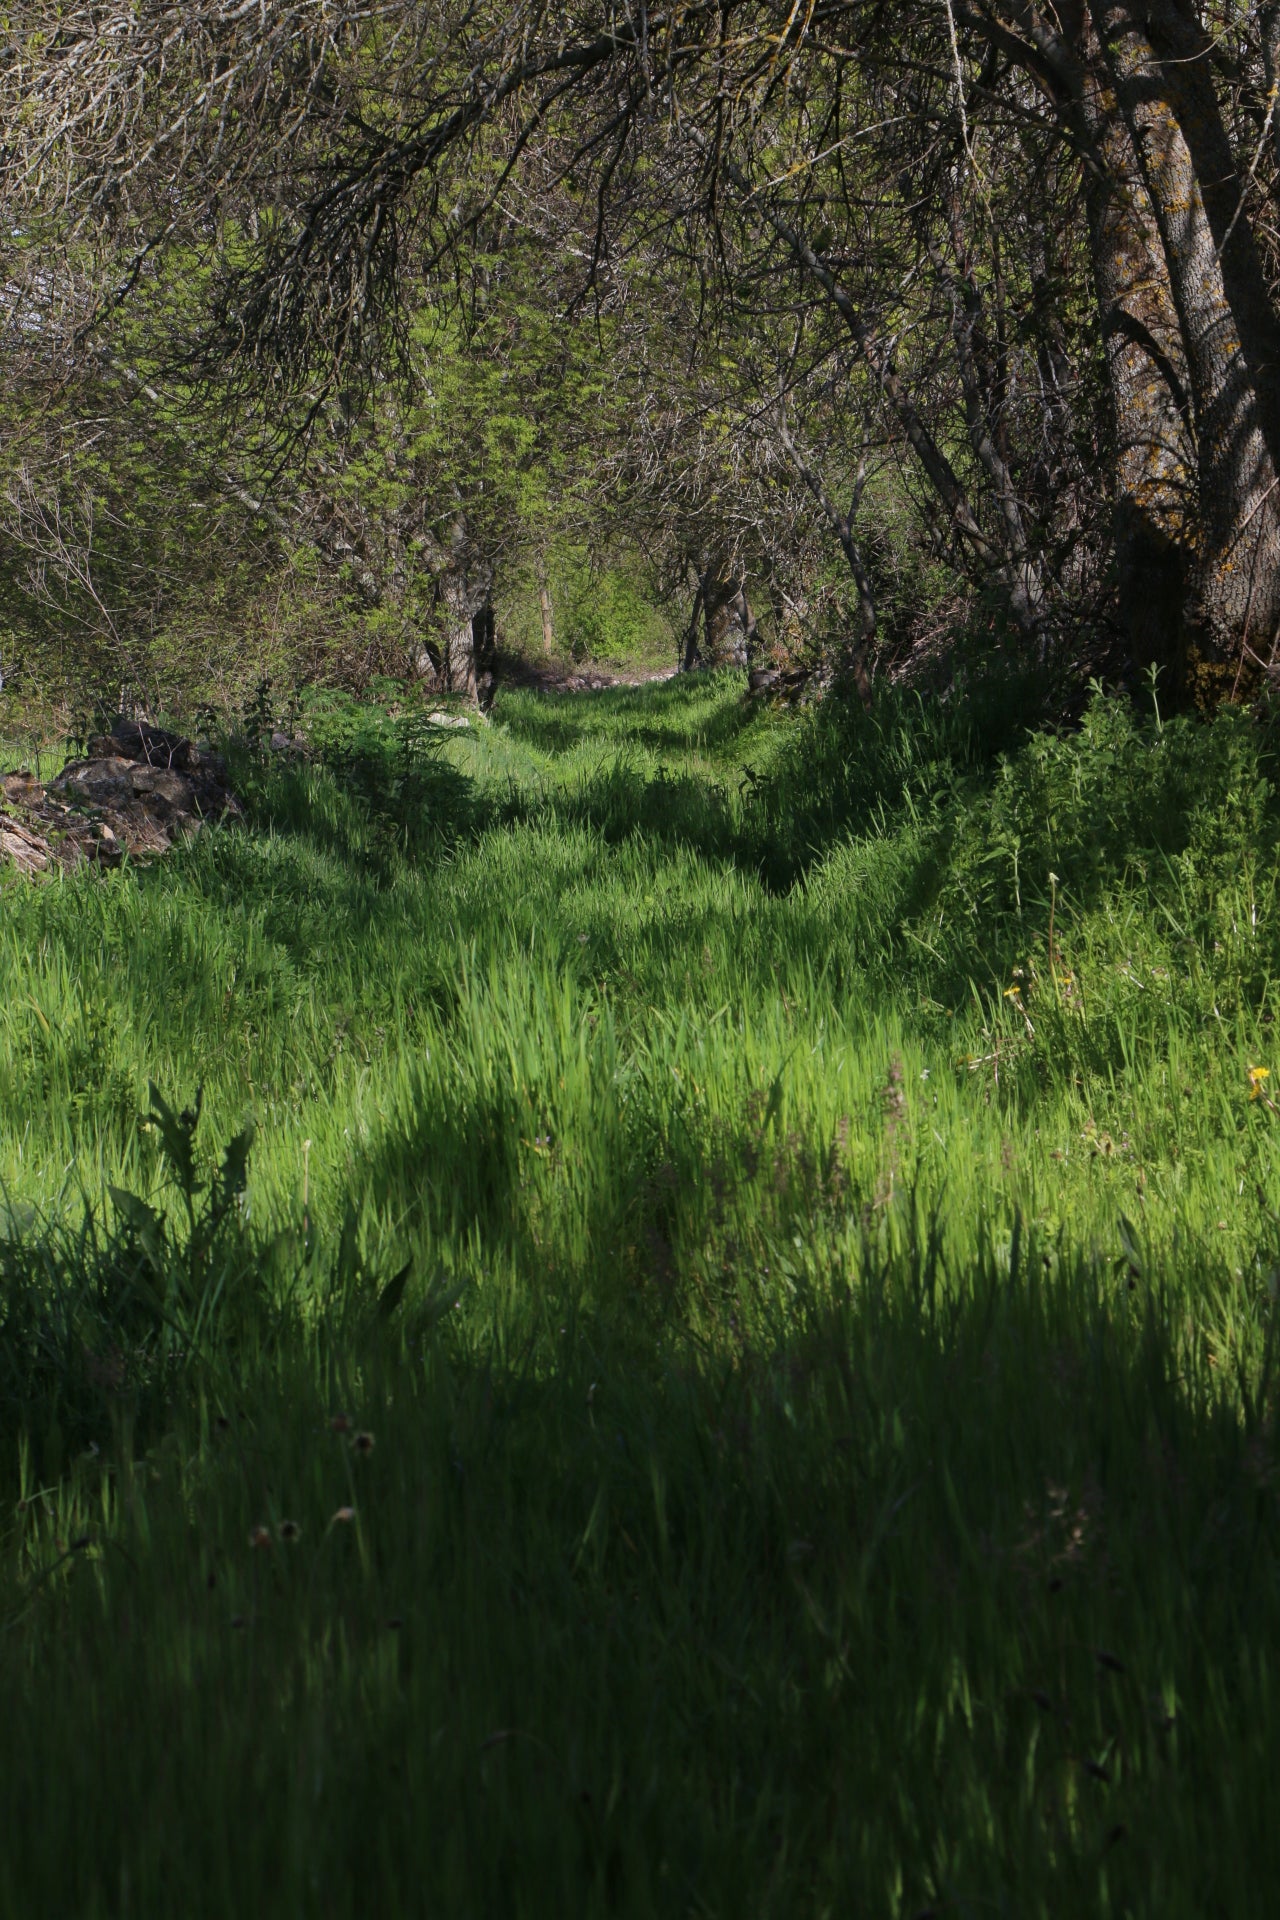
[1043, 239]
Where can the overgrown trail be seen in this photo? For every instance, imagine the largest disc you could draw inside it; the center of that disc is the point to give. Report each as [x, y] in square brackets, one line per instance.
[736, 1375]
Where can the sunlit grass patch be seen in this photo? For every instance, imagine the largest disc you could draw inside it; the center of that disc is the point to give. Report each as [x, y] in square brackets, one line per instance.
[737, 1371]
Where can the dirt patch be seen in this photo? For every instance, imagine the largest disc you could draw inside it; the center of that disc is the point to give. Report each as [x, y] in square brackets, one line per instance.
[137, 791]
[550, 675]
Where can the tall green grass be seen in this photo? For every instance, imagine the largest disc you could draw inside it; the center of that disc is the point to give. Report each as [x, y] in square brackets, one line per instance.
[743, 1333]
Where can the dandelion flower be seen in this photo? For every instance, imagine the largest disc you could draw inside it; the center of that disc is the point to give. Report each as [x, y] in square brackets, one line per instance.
[1258, 1077]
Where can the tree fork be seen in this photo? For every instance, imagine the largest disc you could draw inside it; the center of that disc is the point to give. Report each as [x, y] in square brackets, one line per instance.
[1228, 332]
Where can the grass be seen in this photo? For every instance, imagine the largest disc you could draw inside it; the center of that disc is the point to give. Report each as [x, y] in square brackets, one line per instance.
[743, 1336]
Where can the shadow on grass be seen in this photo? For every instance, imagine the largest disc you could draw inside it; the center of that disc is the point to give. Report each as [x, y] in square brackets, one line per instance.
[371, 810]
[930, 815]
[376, 810]
[690, 714]
[620, 801]
[955, 1583]
[375, 805]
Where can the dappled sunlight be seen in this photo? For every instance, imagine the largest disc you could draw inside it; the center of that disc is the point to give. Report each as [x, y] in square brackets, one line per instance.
[685, 1244]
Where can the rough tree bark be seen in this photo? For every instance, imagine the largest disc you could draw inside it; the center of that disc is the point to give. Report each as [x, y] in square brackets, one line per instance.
[1156, 56]
[727, 622]
[462, 656]
[1193, 343]
[1155, 455]
[468, 639]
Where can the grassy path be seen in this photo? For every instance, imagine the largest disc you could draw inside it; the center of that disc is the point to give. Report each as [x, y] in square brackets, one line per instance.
[735, 1373]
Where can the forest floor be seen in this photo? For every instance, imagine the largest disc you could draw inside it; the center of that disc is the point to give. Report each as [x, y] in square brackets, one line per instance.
[652, 1307]
[555, 673]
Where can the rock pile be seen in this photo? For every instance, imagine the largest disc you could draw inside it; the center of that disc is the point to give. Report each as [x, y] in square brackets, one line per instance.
[138, 789]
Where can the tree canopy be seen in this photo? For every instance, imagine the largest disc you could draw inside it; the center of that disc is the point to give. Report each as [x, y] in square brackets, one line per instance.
[791, 294]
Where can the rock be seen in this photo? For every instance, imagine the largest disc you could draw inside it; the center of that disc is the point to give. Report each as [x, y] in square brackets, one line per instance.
[25, 849]
[782, 683]
[588, 683]
[762, 679]
[448, 720]
[139, 740]
[17, 786]
[137, 791]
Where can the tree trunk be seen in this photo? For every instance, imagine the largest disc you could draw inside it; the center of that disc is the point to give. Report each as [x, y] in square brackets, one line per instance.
[458, 653]
[860, 643]
[1155, 459]
[728, 623]
[544, 607]
[469, 640]
[1229, 334]
[690, 653]
[484, 650]
[466, 643]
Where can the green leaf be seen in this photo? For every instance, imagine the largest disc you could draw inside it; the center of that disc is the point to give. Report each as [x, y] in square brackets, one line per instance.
[177, 1136]
[134, 1211]
[393, 1293]
[142, 1220]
